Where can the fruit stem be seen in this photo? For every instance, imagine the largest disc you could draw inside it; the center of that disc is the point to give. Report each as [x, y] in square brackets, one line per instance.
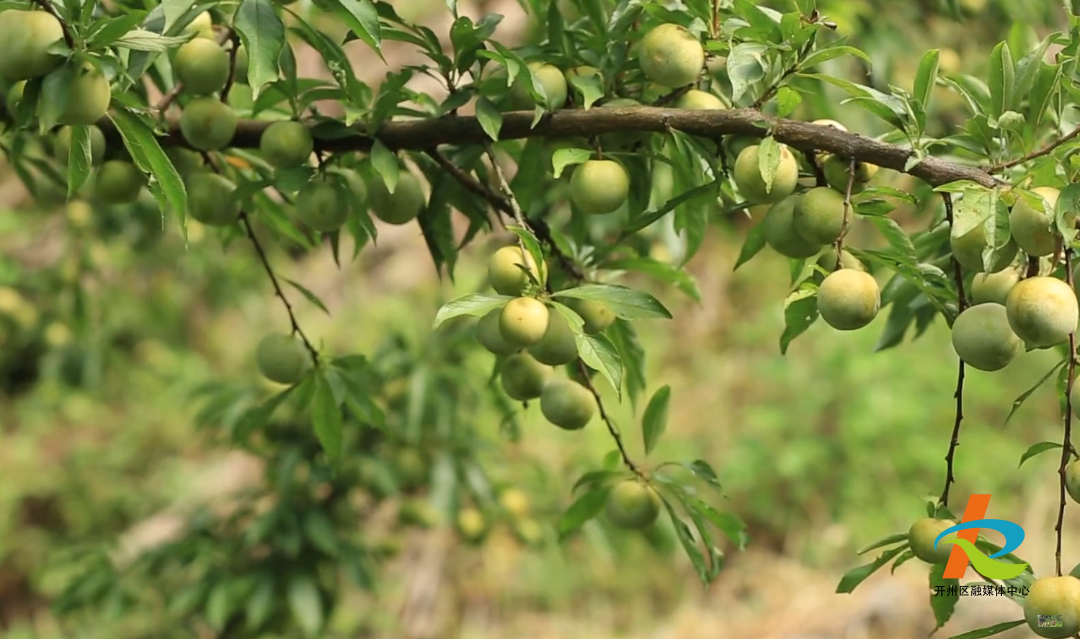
[839, 245]
[958, 394]
[229, 34]
[996, 168]
[1066, 444]
[47, 6]
[612, 428]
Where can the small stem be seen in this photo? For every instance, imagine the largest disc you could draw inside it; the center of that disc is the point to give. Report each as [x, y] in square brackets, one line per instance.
[1032, 267]
[1066, 443]
[235, 38]
[69, 37]
[819, 173]
[669, 98]
[839, 245]
[771, 91]
[612, 428]
[958, 394]
[1049, 148]
[504, 186]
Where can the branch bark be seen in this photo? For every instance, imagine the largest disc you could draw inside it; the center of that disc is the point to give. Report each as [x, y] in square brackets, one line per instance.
[421, 135]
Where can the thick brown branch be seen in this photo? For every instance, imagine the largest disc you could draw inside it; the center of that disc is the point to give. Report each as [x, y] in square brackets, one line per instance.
[419, 135]
[1049, 148]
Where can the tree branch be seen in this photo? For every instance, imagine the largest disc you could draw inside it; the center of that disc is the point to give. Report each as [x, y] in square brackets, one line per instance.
[612, 428]
[1066, 443]
[69, 37]
[1049, 148]
[423, 134]
[839, 244]
[958, 394]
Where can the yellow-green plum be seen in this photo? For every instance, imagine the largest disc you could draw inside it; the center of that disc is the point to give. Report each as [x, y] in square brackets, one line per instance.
[210, 199]
[827, 261]
[567, 404]
[208, 124]
[400, 207]
[282, 358]
[1032, 229]
[505, 272]
[697, 100]
[550, 78]
[286, 144]
[671, 56]
[819, 215]
[202, 65]
[836, 173]
[186, 161]
[921, 538]
[523, 321]
[86, 91]
[596, 315]
[558, 345]
[632, 505]
[62, 144]
[490, 336]
[751, 182]
[599, 186]
[993, 287]
[118, 182]
[202, 26]
[27, 36]
[968, 251]
[848, 299]
[778, 226]
[523, 377]
[240, 65]
[1054, 596]
[1042, 311]
[1072, 471]
[321, 205]
[982, 337]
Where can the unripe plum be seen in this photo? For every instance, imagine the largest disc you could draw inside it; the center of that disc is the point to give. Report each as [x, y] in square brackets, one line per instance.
[62, 144]
[671, 56]
[567, 404]
[819, 215]
[778, 226]
[836, 173]
[1032, 229]
[848, 299]
[523, 377]
[400, 207]
[1042, 311]
[207, 124]
[490, 336]
[558, 345]
[27, 36]
[505, 274]
[1072, 471]
[286, 144]
[968, 250]
[118, 182]
[523, 321]
[751, 183]
[87, 90]
[1054, 596]
[202, 65]
[632, 505]
[596, 315]
[599, 186]
[993, 287]
[210, 199]
[322, 206]
[282, 358]
[202, 26]
[982, 337]
[921, 538]
[697, 100]
[551, 79]
[827, 261]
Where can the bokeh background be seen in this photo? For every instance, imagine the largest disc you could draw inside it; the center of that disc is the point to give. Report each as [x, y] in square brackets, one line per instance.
[821, 451]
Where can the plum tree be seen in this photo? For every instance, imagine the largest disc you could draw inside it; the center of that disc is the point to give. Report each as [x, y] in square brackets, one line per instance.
[402, 205]
[286, 144]
[1031, 228]
[509, 269]
[567, 404]
[599, 186]
[1054, 596]
[523, 377]
[207, 124]
[523, 321]
[671, 56]
[922, 535]
[632, 505]
[819, 215]
[982, 337]
[778, 228]
[1042, 311]
[849, 299]
[751, 179]
[202, 65]
[27, 37]
[282, 358]
[210, 199]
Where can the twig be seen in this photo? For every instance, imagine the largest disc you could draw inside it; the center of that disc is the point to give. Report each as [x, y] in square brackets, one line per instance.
[69, 37]
[771, 91]
[958, 394]
[1066, 443]
[839, 244]
[1049, 148]
[277, 287]
[504, 187]
[612, 428]
[673, 96]
[235, 38]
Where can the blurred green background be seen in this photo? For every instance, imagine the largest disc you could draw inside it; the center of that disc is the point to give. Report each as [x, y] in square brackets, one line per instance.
[110, 323]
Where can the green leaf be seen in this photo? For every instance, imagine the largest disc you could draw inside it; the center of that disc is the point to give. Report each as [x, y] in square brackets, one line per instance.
[1019, 401]
[1036, 449]
[1066, 211]
[147, 153]
[746, 66]
[826, 54]
[768, 161]
[143, 40]
[990, 631]
[327, 417]
[319, 530]
[926, 77]
[563, 158]
[787, 100]
[752, 245]
[896, 237]
[386, 164]
[586, 507]
[625, 302]
[52, 104]
[600, 354]
[851, 580]
[489, 116]
[476, 305]
[532, 245]
[107, 31]
[943, 604]
[885, 541]
[263, 35]
[689, 544]
[173, 10]
[654, 422]
[219, 605]
[79, 159]
[800, 313]
[1002, 73]
[363, 19]
[307, 294]
[305, 603]
[260, 603]
[589, 87]
[905, 557]
[601, 477]
[667, 273]
[731, 525]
